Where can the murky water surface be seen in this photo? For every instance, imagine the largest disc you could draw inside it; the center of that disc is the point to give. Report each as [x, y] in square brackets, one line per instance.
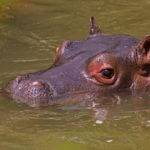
[29, 35]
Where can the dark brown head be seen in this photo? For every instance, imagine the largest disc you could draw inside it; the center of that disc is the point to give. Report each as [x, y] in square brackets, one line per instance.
[99, 65]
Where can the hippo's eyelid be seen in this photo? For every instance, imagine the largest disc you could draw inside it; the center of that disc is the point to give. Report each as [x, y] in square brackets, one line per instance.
[87, 77]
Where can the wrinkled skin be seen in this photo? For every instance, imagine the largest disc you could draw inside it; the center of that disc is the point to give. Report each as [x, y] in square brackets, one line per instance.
[98, 65]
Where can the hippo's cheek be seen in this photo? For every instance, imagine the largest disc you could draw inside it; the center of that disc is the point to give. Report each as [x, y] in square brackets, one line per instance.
[140, 85]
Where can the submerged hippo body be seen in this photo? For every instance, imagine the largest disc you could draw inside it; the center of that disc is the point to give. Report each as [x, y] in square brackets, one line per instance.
[100, 64]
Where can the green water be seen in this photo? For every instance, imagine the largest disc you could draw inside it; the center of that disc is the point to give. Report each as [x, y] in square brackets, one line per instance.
[29, 34]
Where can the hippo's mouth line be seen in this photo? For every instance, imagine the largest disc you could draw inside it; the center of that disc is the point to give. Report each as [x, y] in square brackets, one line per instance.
[35, 92]
[70, 97]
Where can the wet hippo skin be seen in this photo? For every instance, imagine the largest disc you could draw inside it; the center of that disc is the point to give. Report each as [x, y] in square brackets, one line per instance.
[98, 65]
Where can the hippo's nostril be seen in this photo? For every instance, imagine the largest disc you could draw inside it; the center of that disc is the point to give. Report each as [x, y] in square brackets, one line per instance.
[34, 93]
[38, 83]
[18, 79]
[13, 84]
[37, 93]
[38, 88]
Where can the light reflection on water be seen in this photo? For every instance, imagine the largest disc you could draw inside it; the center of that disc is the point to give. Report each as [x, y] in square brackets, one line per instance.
[27, 43]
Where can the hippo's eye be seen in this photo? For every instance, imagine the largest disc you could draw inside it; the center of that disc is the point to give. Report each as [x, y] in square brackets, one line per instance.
[103, 69]
[107, 73]
[104, 74]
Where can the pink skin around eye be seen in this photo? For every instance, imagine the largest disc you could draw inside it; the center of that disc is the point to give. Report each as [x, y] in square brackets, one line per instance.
[95, 68]
[95, 71]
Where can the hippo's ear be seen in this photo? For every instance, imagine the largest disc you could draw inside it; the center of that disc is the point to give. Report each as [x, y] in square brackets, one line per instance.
[143, 50]
[94, 29]
[145, 44]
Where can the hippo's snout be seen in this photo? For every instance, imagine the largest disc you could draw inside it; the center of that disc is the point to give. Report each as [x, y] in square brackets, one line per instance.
[33, 92]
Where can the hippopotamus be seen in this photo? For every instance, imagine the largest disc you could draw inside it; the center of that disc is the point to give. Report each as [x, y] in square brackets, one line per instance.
[99, 65]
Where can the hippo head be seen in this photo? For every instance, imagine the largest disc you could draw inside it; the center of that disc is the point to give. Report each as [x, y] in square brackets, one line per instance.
[99, 65]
